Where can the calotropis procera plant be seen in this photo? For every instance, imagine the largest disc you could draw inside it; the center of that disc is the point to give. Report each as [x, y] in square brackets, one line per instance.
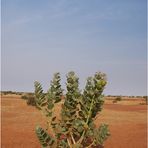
[75, 128]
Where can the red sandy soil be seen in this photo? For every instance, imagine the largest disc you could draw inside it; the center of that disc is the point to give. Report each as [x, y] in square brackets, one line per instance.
[127, 123]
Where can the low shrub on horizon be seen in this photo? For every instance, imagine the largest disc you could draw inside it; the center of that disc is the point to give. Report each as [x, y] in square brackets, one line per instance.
[118, 98]
[30, 98]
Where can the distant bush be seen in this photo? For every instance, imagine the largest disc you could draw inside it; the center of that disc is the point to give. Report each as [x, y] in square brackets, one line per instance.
[118, 98]
[138, 96]
[146, 99]
[11, 93]
[7, 92]
[19, 93]
[30, 99]
[24, 97]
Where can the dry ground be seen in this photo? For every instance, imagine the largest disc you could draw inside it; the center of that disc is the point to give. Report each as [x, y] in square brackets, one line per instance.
[127, 122]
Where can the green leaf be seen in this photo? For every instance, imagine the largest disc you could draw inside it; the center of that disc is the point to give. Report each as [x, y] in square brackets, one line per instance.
[44, 138]
[50, 106]
[80, 129]
[39, 95]
[102, 134]
[89, 133]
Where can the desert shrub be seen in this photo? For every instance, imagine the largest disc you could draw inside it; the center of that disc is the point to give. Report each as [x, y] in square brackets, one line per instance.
[11, 92]
[146, 99]
[24, 97]
[6, 92]
[19, 93]
[138, 96]
[30, 99]
[75, 128]
[114, 101]
[118, 98]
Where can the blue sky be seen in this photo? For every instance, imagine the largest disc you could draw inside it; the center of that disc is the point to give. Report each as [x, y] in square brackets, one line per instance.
[42, 37]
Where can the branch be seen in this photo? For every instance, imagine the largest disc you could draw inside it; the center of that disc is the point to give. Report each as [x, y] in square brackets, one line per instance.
[89, 114]
[91, 144]
[73, 140]
[69, 143]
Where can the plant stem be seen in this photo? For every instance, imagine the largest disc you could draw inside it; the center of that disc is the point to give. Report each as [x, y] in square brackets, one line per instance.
[69, 143]
[91, 144]
[89, 114]
[73, 140]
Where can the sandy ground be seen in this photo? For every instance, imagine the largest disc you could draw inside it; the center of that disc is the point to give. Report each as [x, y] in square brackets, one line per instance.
[127, 122]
